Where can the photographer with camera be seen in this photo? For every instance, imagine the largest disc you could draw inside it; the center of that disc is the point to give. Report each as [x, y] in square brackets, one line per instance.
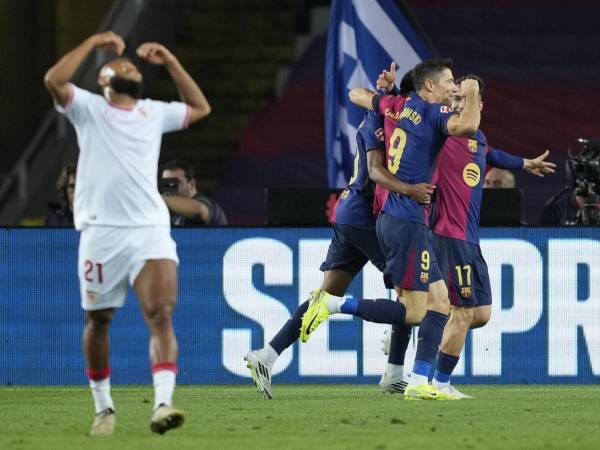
[187, 206]
[579, 202]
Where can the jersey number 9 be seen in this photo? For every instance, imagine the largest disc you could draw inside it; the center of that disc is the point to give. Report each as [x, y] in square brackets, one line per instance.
[397, 144]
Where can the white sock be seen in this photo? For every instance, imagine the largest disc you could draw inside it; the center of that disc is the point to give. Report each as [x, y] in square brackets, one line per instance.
[394, 371]
[334, 304]
[164, 385]
[439, 384]
[416, 380]
[101, 394]
[268, 355]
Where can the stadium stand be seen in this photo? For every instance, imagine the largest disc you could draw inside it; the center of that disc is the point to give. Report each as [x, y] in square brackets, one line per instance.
[238, 78]
[539, 60]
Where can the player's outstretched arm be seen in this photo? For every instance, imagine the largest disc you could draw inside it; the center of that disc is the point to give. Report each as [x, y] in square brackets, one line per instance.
[189, 91]
[539, 166]
[467, 123]
[58, 76]
[362, 97]
[379, 174]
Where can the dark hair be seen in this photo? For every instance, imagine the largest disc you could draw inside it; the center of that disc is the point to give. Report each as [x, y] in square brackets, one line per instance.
[406, 85]
[175, 164]
[428, 69]
[472, 76]
[63, 182]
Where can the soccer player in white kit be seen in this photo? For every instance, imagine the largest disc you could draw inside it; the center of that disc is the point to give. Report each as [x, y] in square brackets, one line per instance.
[124, 223]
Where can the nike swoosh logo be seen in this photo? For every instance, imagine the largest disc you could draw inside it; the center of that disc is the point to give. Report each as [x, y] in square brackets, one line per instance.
[309, 325]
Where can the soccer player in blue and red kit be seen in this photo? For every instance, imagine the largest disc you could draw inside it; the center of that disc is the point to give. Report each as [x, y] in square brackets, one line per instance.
[402, 228]
[458, 176]
[353, 245]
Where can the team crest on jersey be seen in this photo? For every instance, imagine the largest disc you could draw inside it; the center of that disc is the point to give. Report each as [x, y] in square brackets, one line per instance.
[143, 111]
[444, 109]
[424, 277]
[380, 134]
[91, 297]
[473, 145]
[471, 174]
[465, 291]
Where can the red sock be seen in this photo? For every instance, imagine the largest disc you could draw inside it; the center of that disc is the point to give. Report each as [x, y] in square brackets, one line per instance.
[98, 375]
[164, 366]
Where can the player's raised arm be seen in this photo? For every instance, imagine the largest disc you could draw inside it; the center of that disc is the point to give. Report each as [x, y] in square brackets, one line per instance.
[386, 79]
[467, 123]
[189, 91]
[58, 76]
[379, 174]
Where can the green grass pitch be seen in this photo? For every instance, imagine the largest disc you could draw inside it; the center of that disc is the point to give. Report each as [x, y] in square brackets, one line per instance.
[309, 417]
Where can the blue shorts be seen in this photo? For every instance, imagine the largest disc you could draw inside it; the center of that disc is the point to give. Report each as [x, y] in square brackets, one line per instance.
[351, 248]
[464, 270]
[410, 260]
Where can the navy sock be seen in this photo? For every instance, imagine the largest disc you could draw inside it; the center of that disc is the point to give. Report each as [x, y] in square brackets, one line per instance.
[399, 343]
[350, 306]
[290, 331]
[430, 336]
[422, 368]
[445, 366]
[381, 311]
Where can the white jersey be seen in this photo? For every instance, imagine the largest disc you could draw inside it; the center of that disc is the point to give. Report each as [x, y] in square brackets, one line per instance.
[116, 181]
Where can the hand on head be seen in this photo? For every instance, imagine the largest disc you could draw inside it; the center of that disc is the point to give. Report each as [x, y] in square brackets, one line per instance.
[154, 53]
[110, 41]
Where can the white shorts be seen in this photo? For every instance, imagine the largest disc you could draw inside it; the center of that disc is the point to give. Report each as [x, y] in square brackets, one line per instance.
[110, 258]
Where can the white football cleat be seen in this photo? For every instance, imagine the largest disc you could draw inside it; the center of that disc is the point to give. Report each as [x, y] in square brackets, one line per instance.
[261, 373]
[165, 418]
[393, 386]
[104, 423]
[452, 391]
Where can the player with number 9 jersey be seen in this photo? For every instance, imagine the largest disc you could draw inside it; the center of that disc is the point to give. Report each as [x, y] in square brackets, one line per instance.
[413, 146]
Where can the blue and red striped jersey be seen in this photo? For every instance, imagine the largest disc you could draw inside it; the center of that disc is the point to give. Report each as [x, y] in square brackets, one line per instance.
[413, 148]
[458, 177]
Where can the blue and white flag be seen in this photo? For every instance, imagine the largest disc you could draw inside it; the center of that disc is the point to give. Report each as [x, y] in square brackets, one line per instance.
[364, 37]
